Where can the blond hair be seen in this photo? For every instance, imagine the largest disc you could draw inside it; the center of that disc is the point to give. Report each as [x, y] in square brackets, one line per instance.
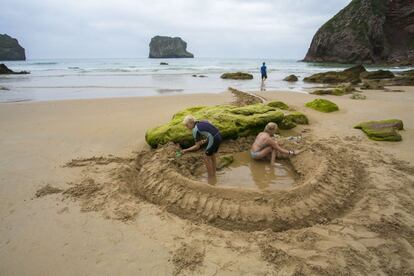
[188, 119]
[271, 128]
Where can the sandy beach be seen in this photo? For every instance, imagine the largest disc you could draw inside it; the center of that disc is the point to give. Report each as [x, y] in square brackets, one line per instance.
[114, 232]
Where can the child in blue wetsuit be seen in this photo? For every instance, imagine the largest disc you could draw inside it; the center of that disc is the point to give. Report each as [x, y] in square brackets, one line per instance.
[263, 71]
[204, 133]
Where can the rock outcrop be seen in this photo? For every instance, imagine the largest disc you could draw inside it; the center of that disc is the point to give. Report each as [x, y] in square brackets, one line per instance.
[385, 130]
[322, 105]
[237, 76]
[367, 31]
[348, 75]
[168, 47]
[4, 70]
[10, 48]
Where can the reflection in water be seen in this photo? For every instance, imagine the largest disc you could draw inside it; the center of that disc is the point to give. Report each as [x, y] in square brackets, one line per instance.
[248, 173]
[262, 86]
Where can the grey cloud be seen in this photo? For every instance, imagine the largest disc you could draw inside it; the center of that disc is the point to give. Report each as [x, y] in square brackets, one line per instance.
[123, 28]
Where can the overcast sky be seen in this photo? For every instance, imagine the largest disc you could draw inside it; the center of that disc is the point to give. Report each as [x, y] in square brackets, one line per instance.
[123, 28]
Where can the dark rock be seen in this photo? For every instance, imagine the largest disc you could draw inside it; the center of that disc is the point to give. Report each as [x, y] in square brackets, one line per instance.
[380, 74]
[10, 49]
[163, 63]
[385, 130]
[237, 76]
[367, 31]
[291, 78]
[202, 76]
[4, 70]
[407, 73]
[348, 75]
[168, 47]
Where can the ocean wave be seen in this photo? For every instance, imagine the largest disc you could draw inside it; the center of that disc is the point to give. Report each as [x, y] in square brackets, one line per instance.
[43, 63]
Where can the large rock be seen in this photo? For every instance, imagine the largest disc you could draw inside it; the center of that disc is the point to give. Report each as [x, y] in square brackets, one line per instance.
[232, 121]
[380, 74]
[168, 47]
[4, 70]
[385, 130]
[237, 76]
[367, 31]
[348, 75]
[10, 49]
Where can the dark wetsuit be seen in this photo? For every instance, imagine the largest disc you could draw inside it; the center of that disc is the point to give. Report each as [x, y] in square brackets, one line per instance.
[263, 71]
[209, 132]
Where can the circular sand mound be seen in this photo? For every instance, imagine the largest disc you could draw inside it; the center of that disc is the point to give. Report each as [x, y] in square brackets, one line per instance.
[329, 182]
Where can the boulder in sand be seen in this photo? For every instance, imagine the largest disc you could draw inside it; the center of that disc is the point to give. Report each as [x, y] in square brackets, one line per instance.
[337, 91]
[380, 74]
[348, 75]
[4, 70]
[291, 78]
[237, 76]
[232, 121]
[385, 130]
[322, 105]
[358, 96]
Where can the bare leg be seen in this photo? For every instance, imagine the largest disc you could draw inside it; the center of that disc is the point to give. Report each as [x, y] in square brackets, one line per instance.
[209, 165]
[213, 157]
[272, 159]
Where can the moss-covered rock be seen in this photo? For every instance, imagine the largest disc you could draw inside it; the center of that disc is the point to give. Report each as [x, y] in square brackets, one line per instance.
[385, 130]
[322, 105]
[337, 91]
[294, 118]
[380, 74]
[372, 85]
[358, 96]
[232, 121]
[291, 78]
[237, 76]
[348, 75]
[278, 104]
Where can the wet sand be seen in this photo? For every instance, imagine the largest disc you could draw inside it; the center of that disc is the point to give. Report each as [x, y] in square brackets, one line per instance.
[118, 233]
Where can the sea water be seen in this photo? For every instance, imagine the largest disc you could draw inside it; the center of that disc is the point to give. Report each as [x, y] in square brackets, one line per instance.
[60, 79]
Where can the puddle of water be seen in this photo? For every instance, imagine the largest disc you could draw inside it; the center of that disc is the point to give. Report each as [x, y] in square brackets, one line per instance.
[245, 172]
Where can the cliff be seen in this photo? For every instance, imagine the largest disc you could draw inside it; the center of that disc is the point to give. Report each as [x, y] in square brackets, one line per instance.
[168, 47]
[367, 31]
[10, 49]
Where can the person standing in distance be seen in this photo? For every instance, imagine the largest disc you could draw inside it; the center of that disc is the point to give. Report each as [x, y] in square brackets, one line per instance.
[263, 71]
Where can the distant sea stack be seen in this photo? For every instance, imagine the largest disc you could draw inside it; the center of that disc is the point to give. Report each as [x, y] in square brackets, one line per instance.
[168, 47]
[10, 48]
[367, 31]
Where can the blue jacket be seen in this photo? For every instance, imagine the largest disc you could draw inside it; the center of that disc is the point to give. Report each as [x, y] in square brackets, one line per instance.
[263, 70]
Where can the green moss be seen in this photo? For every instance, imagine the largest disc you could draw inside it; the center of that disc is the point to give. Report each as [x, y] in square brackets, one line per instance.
[298, 118]
[237, 76]
[278, 104]
[233, 122]
[384, 130]
[322, 105]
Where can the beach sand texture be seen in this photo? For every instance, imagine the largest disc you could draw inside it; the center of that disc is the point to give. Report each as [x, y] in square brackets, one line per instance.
[352, 211]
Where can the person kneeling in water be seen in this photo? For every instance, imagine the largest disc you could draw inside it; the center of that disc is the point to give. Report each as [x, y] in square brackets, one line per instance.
[265, 146]
[204, 133]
